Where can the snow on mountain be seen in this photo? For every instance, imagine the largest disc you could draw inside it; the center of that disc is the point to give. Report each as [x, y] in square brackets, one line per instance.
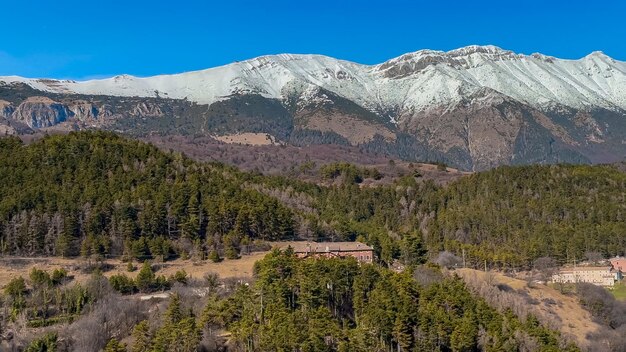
[416, 81]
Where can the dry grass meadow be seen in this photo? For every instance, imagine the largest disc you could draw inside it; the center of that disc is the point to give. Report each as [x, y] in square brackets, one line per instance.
[548, 304]
[14, 267]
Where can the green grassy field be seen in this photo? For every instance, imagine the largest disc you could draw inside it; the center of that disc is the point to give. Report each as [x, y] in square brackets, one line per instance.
[619, 291]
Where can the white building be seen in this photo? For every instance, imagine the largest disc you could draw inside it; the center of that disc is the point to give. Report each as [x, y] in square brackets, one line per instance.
[597, 275]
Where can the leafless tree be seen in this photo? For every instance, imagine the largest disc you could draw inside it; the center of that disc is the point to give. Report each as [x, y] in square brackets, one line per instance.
[448, 260]
[594, 257]
[112, 317]
[545, 267]
[602, 305]
[426, 276]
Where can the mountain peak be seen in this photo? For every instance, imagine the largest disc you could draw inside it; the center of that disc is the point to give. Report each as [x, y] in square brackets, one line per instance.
[597, 53]
[464, 57]
[478, 49]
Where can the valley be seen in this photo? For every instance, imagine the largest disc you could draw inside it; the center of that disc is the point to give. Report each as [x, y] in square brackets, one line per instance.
[182, 230]
[292, 176]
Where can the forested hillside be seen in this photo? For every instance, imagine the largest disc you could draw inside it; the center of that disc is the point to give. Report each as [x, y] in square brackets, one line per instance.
[100, 194]
[512, 215]
[292, 305]
[507, 217]
[96, 193]
[338, 305]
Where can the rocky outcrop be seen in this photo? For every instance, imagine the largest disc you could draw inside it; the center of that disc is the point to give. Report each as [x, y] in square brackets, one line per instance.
[42, 112]
[6, 109]
[146, 109]
[39, 112]
[490, 129]
[83, 110]
[6, 129]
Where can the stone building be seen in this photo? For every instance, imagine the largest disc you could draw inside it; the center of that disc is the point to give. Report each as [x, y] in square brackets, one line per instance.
[597, 275]
[360, 251]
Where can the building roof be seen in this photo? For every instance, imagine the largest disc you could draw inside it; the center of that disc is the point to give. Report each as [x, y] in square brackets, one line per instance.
[306, 247]
[586, 268]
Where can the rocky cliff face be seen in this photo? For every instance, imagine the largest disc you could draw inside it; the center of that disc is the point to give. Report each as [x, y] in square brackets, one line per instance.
[6, 109]
[39, 112]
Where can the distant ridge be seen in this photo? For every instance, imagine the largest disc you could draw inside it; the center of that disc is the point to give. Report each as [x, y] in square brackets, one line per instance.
[475, 107]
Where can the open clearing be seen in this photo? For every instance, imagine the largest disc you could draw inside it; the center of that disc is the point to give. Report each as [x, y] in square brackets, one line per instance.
[619, 291]
[248, 139]
[14, 267]
[575, 321]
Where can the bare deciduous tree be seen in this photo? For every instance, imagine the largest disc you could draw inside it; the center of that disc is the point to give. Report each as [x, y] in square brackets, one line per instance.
[111, 317]
[594, 257]
[448, 260]
[545, 267]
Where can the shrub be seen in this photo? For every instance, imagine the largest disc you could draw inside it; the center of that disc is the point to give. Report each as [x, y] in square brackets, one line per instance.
[59, 276]
[47, 342]
[39, 278]
[214, 256]
[16, 287]
[231, 253]
[180, 276]
[122, 284]
[161, 283]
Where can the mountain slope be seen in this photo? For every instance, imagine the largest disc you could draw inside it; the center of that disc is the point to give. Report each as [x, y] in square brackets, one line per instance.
[420, 80]
[474, 107]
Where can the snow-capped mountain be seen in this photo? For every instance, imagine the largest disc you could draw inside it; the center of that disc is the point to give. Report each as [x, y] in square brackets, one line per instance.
[421, 79]
[477, 106]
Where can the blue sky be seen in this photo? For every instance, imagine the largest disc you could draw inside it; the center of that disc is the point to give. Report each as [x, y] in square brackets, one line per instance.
[88, 39]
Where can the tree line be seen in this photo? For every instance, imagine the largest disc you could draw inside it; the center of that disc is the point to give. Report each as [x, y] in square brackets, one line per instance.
[96, 194]
[304, 305]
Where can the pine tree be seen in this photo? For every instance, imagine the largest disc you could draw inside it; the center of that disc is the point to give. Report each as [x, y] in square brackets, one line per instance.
[174, 312]
[115, 346]
[145, 278]
[214, 256]
[142, 337]
[403, 331]
[412, 250]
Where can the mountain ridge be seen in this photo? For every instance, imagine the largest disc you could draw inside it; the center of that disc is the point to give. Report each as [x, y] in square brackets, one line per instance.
[474, 107]
[312, 72]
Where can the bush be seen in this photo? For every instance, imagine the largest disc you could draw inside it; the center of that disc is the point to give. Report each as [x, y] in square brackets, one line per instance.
[231, 252]
[161, 283]
[180, 276]
[47, 342]
[214, 256]
[59, 276]
[211, 280]
[115, 346]
[122, 284]
[40, 278]
[16, 287]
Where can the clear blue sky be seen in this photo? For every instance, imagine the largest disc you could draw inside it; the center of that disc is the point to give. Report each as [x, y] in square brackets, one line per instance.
[86, 39]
